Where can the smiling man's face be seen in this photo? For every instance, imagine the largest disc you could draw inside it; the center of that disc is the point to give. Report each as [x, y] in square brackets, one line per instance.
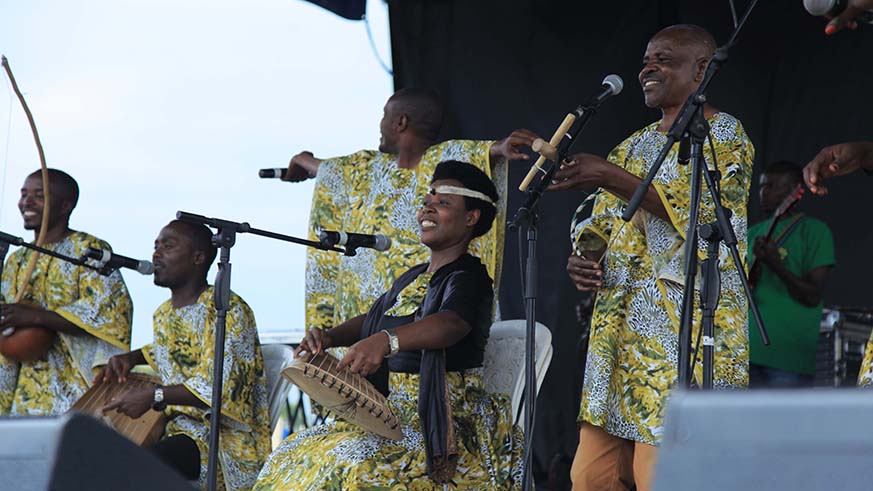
[671, 69]
[32, 202]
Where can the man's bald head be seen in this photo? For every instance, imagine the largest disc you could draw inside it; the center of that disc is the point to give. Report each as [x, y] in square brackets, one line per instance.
[423, 108]
[200, 237]
[691, 36]
[674, 64]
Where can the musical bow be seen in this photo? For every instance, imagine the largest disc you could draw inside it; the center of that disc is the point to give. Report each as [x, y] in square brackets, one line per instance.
[43, 229]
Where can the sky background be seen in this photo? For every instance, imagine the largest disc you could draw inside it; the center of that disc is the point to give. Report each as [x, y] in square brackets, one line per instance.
[156, 106]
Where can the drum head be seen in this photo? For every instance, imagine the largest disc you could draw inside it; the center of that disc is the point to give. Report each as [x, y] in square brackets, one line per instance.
[347, 395]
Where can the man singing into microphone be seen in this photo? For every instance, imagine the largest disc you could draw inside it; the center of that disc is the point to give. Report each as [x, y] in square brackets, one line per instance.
[68, 318]
[379, 192]
[182, 355]
[637, 270]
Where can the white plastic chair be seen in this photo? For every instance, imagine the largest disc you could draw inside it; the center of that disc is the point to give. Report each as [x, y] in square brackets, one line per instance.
[504, 360]
[276, 358]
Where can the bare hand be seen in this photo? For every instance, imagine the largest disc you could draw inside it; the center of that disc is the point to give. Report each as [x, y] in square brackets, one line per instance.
[837, 160]
[133, 403]
[585, 273]
[511, 147]
[767, 252]
[848, 18]
[314, 343]
[17, 314]
[367, 355]
[586, 171]
[302, 166]
[116, 370]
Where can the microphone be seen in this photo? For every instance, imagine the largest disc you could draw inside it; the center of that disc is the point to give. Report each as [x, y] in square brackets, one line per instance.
[348, 240]
[833, 8]
[272, 173]
[109, 260]
[612, 85]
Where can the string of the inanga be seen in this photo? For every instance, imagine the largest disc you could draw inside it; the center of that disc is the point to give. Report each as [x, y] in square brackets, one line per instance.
[6, 150]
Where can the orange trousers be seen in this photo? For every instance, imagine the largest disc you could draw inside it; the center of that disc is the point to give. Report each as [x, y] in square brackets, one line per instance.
[605, 462]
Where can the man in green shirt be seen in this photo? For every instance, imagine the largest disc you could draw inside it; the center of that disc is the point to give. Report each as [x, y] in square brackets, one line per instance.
[794, 265]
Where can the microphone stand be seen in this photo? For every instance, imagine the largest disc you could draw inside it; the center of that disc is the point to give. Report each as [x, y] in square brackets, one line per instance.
[6, 240]
[526, 215]
[691, 123]
[18, 241]
[224, 239]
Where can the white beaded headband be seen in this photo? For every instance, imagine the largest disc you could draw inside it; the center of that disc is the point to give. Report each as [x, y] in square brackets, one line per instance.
[470, 193]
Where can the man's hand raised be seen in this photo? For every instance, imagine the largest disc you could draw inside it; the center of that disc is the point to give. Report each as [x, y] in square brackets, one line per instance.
[511, 147]
[837, 160]
[302, 166]
[848, 18]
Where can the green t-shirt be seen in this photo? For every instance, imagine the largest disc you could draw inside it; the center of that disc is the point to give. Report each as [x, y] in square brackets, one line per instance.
[793, 327]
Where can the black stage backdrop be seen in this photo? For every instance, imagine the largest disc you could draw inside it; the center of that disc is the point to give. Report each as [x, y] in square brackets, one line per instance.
[502, 65]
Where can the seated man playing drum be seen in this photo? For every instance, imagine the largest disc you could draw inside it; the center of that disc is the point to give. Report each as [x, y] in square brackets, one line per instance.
[425, 338]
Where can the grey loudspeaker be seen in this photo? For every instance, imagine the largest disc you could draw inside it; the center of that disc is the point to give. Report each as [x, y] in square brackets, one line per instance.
[77, 453]
[809, 440]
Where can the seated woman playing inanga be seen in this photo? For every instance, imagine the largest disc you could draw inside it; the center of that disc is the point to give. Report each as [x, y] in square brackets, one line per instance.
[440, 313]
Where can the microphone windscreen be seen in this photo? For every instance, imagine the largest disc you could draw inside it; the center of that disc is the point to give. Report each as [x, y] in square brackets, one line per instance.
[819, 7]
[615, 82]
[146, 267]
[383, 243]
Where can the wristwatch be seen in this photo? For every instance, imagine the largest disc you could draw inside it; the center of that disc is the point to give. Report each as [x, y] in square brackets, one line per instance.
[393, 343]
[159, 403]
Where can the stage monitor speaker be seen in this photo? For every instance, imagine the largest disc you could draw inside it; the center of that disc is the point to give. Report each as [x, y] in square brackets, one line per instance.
[77, 453]
[798, 440]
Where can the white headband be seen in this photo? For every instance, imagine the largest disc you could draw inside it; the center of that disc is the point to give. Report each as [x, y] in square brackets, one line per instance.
[463, 192]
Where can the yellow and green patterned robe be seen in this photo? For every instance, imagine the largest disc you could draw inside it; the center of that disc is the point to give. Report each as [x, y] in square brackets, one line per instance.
[368, 193]
[342, 456]
[182, 353]
[99, 305]
[632, 354]
[865, 374]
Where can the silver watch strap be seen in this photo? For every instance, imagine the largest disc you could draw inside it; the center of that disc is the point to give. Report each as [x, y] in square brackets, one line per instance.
[393, 343]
